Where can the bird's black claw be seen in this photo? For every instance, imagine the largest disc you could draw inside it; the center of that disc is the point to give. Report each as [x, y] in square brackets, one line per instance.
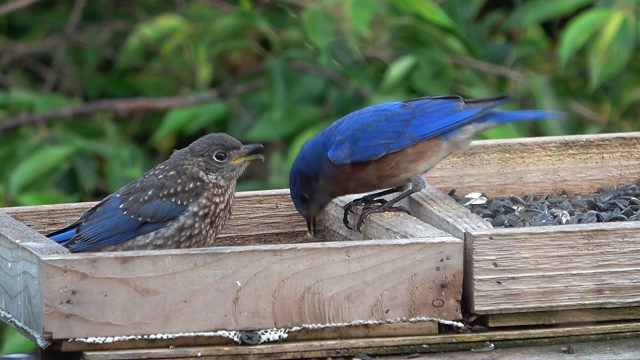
[400, 209]
[370, 209]
[370, 205]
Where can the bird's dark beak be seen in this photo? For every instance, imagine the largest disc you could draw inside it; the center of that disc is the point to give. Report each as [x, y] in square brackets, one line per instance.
[311, 228]
[245, 155]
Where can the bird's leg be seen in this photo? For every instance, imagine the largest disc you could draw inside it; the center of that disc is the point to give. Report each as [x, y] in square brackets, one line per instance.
[417, 184]
[368, 201]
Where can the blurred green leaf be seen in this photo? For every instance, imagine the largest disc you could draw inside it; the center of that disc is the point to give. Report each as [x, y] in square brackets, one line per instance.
[38, 164]
[507, 131]
[545, 95]
[278, 86]
[33, 101]
[47, 196]
[269, 128]
[190, 119]
[86, 171]
[613, 48]
[538, 11]
[433, 75]
[579, 30]
[147, 36]
[318, 25]
[397, 71]
[51, 101]
[428, 10]
[360, 13]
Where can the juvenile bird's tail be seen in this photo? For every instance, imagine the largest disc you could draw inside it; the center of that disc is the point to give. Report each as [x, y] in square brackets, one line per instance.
[63, 236]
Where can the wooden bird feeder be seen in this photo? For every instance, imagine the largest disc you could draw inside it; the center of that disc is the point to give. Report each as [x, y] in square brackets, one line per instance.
[402, 285]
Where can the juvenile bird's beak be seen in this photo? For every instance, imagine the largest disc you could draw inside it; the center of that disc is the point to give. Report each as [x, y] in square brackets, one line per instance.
[245, 154]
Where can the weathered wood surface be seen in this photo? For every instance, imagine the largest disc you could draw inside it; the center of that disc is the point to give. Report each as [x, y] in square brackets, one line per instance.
[623, 349]
[382, 346]
[620, 349]
[575, 164]
[555, 268]
[386, 225]
[20, 273]
[562, 317]
[441, 211]
[253, 287]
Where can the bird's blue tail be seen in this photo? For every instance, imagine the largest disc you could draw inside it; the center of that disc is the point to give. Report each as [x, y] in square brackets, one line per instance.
[501, 117]
[64, 237]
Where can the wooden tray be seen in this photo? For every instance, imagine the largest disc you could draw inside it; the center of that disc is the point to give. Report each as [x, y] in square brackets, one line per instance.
[551, 270]
[262, 279]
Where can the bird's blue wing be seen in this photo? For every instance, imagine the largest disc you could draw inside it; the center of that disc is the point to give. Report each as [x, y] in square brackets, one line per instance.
[116, 219]
[375, 131]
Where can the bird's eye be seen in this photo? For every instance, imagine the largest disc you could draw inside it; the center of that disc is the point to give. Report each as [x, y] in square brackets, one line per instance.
[304, 199]
[220, 156]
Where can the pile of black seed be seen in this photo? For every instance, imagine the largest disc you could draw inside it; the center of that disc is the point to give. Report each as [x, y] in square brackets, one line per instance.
[618, 203]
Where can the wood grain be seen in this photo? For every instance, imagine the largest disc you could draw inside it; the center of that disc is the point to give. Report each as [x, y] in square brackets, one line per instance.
[252, 287]
[555, 268]
[20, 296]
[382, 346]
[562, 317]
[441, 211]
[385, 225]
[575, 164]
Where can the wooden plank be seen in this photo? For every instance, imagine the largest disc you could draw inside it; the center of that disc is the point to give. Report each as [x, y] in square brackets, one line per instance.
[441, 211]
[253, 287]
[386, 225]
[378, 346]
[584, 349]
[555, 268]
[576, 164]
[20, 298]
[562, 316]
[342, 332]
[590, 347]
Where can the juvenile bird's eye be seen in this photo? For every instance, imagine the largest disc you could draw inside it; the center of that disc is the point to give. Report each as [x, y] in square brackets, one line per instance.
[220, 156]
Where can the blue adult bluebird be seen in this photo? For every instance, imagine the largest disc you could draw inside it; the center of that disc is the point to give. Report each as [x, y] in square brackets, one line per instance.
[183, 202]
[389, 146]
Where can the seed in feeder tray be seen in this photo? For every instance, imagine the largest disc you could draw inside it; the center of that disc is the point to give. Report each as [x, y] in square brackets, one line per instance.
[618, 203]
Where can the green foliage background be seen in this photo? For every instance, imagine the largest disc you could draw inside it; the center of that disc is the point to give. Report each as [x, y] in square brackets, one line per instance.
[286, 69]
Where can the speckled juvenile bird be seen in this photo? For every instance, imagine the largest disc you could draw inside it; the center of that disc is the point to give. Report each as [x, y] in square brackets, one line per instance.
[183, 202]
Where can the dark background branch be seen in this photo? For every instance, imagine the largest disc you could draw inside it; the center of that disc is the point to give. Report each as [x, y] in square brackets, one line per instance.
[130, 105]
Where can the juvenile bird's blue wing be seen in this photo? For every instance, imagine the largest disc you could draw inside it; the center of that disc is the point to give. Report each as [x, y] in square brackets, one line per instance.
[139, 208]
[375, 131]
[107, 223]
